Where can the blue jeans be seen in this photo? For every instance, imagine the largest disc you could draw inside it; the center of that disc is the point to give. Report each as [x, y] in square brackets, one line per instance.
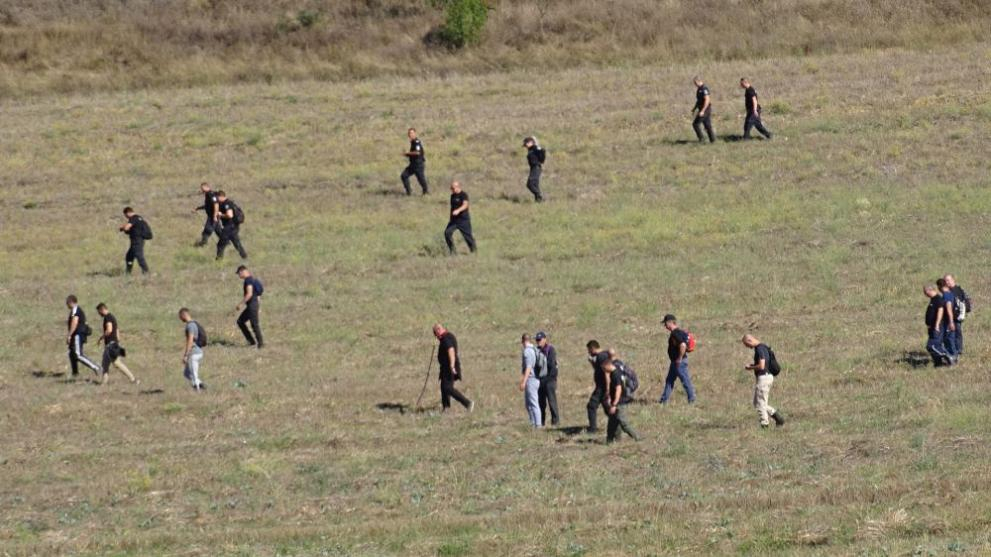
[936, 348]
[531, 400]
[678, 371]
[950, 341]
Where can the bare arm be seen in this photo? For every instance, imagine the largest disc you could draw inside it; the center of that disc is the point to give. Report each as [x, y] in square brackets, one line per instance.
[248, 293]
[761, 365]
[108, 329]
[949, 313]
[705, 105]
[73, 324]
[753, 101]
[939, 319]
[189, 346]
[526, 375]
[453, 358]
[461, 209]
[682, 349]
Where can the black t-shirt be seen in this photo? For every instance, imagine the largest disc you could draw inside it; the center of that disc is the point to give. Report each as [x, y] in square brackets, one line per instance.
[457, 200]
[136, 232]
[227, 205]
[762, 352]
[209, 202]
[674, 342]
[77, 312]
[255, 287]
[749, 98]
[700, 96]
[932, 309]
[109, 318]
[448, 341]
[415, 146]
[533, 157]
[599, 374]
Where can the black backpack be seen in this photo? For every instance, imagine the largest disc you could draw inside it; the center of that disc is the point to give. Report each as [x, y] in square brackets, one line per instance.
[773, 367]
[201, 339]
[630, 381]
[238, 214]
[542, 155]
[146, 230]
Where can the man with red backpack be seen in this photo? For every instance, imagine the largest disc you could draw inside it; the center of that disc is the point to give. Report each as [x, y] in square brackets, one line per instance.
[678, 349]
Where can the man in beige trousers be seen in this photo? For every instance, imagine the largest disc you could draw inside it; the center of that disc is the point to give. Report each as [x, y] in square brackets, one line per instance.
[765, 378]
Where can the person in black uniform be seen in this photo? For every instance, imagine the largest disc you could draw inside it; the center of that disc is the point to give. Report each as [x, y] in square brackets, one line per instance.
[535, 157]
[600, 396]
[230, 229]
[113, 352]
[211, 207]
[753, 110]
[137, 230]
[417, 164]
[460, 219]
[253, 290]
[77, 333]
[703, 111]
[449, 359]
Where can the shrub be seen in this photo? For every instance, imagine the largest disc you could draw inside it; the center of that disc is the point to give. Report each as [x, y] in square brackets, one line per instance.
[464, 21]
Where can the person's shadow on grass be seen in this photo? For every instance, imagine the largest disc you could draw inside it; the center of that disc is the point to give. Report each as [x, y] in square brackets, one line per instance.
[914, 359]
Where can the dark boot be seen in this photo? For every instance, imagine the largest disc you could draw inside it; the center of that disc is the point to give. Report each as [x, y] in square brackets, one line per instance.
[778, 420]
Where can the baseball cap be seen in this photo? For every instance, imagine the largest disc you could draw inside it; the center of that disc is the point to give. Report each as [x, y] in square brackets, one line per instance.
[540, 336]
[668, 317]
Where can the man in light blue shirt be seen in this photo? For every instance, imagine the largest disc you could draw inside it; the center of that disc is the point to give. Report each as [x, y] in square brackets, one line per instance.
[529, 383]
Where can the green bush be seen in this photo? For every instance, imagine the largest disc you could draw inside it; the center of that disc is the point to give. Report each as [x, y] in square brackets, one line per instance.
[464, 22]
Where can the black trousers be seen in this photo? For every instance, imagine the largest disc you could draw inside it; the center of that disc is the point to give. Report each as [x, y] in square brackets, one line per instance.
[76, 355]
[209, 229]
[463, 226]
[447, 392]
[229, 234]
[706, 121]
[547, 396]
[418, 170]
[250, 315]
[533, 183]
[753, 121]
[136, 251]
[597, 399]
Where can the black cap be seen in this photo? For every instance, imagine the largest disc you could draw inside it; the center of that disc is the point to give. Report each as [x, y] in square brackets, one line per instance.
[241, 268]
[540, 336]
[669, 317]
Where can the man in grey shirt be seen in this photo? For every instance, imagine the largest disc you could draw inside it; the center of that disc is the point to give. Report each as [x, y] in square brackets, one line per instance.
[529, 383]
[192, 353]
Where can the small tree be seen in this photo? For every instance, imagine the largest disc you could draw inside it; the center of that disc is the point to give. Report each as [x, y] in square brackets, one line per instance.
[464, 22]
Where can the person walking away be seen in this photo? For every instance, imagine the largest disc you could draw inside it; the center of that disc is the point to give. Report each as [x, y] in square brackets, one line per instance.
[192, 353]
[535, 157]
[547, 395]
[963, 308]
[934, 315]
[529, 384]
[210, 206]
[449, 359]
[702, 111]
[600, 394]
[764, 379]
[417, 164]
[138, 230]
[949, 322]
[678, 354]
[460, 219]
[251, 301]
[113, 352]
[77, 333]
[753, 108]
[231, 218]
[618, 400]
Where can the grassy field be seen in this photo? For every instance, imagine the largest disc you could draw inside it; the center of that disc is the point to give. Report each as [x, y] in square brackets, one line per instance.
[818, 242]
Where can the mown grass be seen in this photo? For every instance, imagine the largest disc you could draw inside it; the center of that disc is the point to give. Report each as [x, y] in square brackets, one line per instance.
[818, 241]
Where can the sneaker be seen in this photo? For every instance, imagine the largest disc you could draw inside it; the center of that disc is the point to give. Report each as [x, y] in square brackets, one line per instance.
[764, 426]
[778, 420]
[471, 406]
[591, 430]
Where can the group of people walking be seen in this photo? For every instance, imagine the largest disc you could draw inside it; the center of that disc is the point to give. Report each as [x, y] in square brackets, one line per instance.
[703, 111]
[614, 382]
[948, 307]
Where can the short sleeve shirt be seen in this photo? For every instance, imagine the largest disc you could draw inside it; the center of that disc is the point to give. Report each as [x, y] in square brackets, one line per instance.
[209, 202]
[137, 228]
[192, 329]
[415, 146]
[616, 378]
[457, 200]
[446, 342]
[932, 310]
[674, 342]
[529, 359]
[109, 318]
[748, 99]
[599, 374]
[700, 95]
[254, 283]
[762, 352]
[225, 206]
[951, 299]
[77, 312]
